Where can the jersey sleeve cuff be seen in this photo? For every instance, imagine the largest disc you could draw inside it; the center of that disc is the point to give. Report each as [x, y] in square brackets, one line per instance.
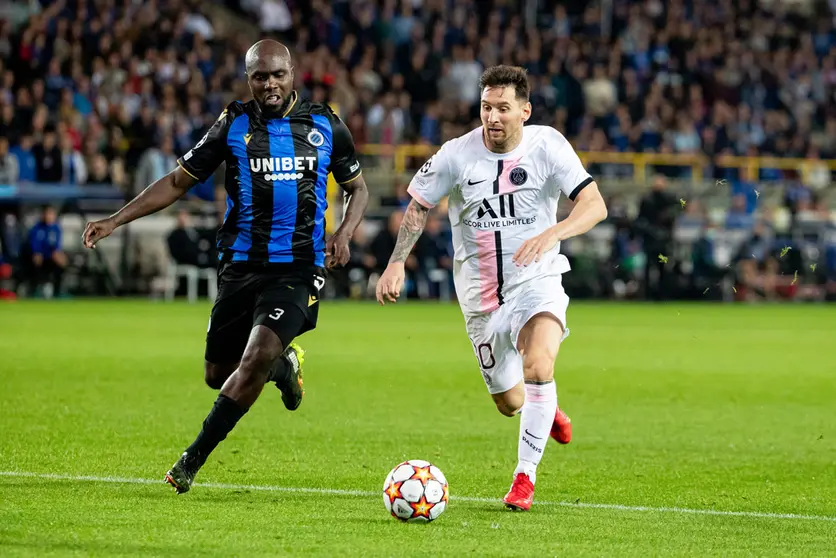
[580, 187]
[190, 173]
[351, 179]
[417, 197]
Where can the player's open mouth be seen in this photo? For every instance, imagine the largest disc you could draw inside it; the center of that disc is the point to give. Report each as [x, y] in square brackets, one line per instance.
[272, 99]
[494, 130]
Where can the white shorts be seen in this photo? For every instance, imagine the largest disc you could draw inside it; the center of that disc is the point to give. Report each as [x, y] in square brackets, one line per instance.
[494, 335]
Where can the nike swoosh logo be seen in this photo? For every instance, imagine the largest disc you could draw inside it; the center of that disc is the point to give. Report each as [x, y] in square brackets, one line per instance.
[471, 183]
[532, 435]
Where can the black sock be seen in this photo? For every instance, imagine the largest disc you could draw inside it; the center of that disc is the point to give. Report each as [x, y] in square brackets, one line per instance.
[280, 372]
[220, 421]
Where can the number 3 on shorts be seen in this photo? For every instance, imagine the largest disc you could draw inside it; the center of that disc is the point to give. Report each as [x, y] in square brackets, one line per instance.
[277, 313]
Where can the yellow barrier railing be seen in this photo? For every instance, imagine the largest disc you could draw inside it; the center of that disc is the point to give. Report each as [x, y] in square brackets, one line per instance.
[639, 161]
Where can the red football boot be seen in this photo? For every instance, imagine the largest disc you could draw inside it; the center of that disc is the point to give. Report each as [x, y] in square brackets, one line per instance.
[521, 493]
[561, 428]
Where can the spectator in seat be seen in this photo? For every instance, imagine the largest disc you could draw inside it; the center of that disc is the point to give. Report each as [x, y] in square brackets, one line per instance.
[739, 216]
[46, 258]
[654, 224]
[8, 164]
[25, 158]
[188, 245]
[757, 267]
[433, 250]
[49, 165]
[382, 246]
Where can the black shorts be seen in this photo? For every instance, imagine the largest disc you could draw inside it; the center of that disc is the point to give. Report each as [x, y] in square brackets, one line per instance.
[283, 298]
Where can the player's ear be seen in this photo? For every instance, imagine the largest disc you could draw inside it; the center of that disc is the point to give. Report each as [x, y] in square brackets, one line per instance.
[526, 111]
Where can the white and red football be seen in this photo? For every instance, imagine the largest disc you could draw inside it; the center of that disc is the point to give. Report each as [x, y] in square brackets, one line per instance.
[415, 490]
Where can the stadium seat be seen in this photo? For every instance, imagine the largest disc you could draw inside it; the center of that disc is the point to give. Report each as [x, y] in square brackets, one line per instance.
[192, 273]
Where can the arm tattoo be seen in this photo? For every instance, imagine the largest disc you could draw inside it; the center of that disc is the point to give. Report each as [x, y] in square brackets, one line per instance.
[412, 226]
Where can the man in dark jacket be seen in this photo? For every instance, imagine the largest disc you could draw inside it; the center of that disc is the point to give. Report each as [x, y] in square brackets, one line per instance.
[654, 224]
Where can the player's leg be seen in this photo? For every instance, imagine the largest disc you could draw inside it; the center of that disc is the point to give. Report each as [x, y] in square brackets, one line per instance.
[277, 321]
[230, 325]
[238, 394]
[538, 343]
[511, 401]
[499, 364]
[298, 294]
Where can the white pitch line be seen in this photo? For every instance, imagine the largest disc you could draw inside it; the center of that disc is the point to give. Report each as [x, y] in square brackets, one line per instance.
[366, 493]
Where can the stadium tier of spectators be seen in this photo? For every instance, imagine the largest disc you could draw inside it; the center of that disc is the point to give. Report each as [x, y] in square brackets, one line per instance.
[92, 85]
[110, 92]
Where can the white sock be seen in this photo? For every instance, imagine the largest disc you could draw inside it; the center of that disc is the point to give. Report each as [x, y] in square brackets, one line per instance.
[535, 426]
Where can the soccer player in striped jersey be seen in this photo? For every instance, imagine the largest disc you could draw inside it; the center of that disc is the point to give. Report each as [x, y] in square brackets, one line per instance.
[279, 150]
[504, 180]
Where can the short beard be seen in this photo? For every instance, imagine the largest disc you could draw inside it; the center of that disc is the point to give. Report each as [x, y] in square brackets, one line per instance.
[278, 109]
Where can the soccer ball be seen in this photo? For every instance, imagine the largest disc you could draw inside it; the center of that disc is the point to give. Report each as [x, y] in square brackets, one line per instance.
[415, 491]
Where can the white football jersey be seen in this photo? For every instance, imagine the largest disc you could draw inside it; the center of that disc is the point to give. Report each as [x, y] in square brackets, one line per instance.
[496, 202]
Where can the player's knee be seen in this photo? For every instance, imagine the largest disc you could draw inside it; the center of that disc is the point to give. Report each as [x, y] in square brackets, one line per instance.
[216, 374]
[257, 361]
[509, 410]
[510, 402]
[538, 366]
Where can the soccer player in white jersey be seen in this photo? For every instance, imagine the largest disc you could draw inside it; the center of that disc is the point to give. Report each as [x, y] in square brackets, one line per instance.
[503, 181]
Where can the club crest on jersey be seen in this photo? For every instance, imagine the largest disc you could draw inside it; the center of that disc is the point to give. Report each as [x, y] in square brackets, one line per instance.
[518, 176]
[316, 138]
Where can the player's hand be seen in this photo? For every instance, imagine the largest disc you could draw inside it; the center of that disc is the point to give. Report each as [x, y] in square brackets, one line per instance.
[533, 248]
[336, 250]
[390, 283]
[97, 230]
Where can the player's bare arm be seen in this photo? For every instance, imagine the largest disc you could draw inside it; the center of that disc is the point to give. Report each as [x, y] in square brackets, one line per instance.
[336, 249]
[155, 197]
[590, 209]
[390, 283]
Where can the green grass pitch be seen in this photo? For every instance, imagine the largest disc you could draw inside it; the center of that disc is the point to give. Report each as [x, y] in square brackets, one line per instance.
[679, 412]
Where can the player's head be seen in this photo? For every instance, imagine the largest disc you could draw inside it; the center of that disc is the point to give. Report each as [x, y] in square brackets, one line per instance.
[505, 105]
[270, 76]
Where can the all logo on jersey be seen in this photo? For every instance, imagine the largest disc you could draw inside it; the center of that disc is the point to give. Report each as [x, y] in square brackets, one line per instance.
[496, 213]
[316, 138]
[505, 207]
[518, 176]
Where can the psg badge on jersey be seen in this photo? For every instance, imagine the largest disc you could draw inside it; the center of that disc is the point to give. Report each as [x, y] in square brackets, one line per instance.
[518, 176]
[316, 138]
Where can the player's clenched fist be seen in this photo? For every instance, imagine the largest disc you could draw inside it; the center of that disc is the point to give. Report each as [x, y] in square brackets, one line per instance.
[336, 250]
[390, 284]
[97, 230]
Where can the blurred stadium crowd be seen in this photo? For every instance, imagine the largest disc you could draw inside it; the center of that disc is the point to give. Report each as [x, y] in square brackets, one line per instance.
[110, 92]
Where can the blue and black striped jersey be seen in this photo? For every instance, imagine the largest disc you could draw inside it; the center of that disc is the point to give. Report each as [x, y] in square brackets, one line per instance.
[276, 175]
